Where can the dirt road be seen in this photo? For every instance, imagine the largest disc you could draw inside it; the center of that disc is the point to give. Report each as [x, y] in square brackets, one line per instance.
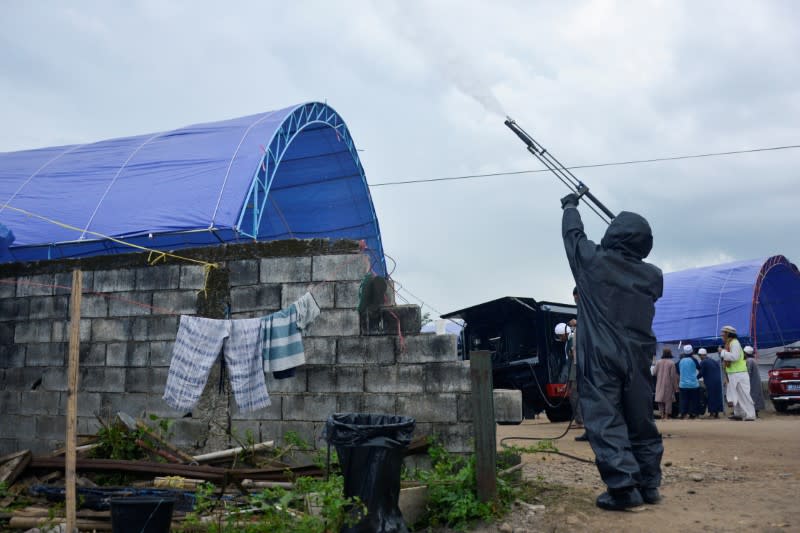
[719, 475]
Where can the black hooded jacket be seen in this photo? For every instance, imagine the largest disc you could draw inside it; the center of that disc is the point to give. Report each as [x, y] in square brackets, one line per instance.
[617, 289]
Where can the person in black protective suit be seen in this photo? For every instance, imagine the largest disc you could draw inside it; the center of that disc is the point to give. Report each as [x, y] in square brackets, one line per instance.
[615, 348]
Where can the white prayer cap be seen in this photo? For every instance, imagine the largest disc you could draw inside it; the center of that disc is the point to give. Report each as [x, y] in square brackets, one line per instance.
[729, 329]
[563, 329]
[748, 350]
[687, 349]
[702, 351]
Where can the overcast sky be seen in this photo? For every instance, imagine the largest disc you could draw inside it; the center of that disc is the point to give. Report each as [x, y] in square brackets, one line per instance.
[423, 86]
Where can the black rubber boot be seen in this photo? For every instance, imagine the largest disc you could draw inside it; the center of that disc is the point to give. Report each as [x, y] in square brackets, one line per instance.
[582, 438]
[650, 495]
[619, 499]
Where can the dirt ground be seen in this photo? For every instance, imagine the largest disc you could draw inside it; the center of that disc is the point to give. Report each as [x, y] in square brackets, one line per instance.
[718, 475]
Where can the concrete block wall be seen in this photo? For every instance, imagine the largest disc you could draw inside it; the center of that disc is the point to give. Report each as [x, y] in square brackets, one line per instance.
[129, 319]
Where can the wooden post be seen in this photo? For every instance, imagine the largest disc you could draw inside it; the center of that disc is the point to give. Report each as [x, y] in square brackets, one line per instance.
[72, 397]
[480, 370]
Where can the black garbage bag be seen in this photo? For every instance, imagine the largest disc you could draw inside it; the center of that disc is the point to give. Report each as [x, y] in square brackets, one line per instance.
[370, 449]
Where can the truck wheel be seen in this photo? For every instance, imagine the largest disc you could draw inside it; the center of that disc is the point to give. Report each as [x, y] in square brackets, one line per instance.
[562, 413]
[781, 407]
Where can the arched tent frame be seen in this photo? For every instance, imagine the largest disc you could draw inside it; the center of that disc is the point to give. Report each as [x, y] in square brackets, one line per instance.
[290, 173]
[760, 297]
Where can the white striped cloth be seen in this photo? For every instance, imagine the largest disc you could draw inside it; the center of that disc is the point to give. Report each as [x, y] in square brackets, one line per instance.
[281, 338]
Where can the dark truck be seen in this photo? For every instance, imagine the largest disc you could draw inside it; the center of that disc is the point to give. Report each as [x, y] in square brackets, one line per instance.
[519, 332]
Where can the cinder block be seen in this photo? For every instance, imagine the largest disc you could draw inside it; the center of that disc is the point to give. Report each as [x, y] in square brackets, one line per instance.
[20, 379]
[39, 402]
[285, 269]
[94, 306]
[32, 331]
[245, 431]
[6, 333]
[48, 307]
[322, 292]
[163, 328]
[394, 379]
[389, 320]
[89, 403]
[347, 294]
[41, 285]
[130, 304]
[130, 354]
[17, 426]
[350, 403]
[8, 446]
[46, 354]
[120, 280]
[8, 287]
[157, 406]
[309, 407]
[88, 425]
[150, 380]
[93, 354]
[14, 308]
[160, 352]
[429, 349]
[54, 379]
[189, 433]
[117, 354]
[243, 272]
[428, 407]
[309, 432]
[320, 350]
[456, 438]
[507, 406]
[108, 329]
[12, 355]
[296, 384]
[158, 278]
[366, 350]
[335, 379]
[192, 277]
[380, 404]
[60, 330]
[350, 267]
[64, 282]
[255, 297]
[9, 404]
[448, 377]
[273, 412]
[335, 323]
[175, 302]
[100, 379]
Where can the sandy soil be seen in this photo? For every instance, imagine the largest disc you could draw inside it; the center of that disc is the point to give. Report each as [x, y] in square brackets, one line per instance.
[719, 475]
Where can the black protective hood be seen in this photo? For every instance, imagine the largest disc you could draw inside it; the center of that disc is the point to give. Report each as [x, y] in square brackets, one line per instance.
[629, 234]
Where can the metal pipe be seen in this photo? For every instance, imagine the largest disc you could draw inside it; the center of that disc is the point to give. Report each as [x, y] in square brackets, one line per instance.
[561, 172]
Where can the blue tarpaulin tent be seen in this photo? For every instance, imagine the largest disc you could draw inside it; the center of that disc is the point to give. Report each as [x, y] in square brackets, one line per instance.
[759, 297]
[291, 173]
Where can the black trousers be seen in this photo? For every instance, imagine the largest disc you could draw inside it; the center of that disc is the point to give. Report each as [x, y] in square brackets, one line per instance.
[690, 401]
[616, 395]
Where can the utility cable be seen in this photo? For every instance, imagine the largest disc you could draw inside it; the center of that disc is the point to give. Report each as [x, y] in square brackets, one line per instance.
[595, 165]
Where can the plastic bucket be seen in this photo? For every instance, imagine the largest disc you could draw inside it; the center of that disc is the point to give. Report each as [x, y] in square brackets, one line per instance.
[141, 514]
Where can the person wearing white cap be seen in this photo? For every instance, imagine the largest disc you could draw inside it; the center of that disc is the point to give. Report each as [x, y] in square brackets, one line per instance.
[689, 385]
[756, 393]
[738, 391]
[564, 333]
[710, 372]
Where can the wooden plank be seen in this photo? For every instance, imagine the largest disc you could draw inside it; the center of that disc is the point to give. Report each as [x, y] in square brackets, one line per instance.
[72, 398]
[27, 522]
[480, 370]
[13, 466]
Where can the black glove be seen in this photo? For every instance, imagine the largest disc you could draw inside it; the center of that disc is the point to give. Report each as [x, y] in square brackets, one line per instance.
[570, 200]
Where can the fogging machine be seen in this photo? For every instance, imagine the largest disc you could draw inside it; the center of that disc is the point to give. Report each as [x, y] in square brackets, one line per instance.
[561, 172]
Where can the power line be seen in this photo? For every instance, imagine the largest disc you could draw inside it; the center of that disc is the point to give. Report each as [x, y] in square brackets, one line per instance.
[596, 165]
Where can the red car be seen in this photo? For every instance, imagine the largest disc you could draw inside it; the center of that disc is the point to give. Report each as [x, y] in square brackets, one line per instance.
[784, 380]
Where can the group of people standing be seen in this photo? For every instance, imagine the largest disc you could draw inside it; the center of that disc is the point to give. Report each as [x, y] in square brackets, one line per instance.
[731, 365]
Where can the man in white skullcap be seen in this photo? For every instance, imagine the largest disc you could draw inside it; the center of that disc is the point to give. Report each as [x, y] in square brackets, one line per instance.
[712, 378]
[756, 393]
[689, 385]
[738, 391]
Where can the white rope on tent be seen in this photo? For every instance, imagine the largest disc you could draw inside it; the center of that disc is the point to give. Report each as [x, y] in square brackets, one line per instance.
[19, 189]
[230, 164]
[719, 299]
[111, 183]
